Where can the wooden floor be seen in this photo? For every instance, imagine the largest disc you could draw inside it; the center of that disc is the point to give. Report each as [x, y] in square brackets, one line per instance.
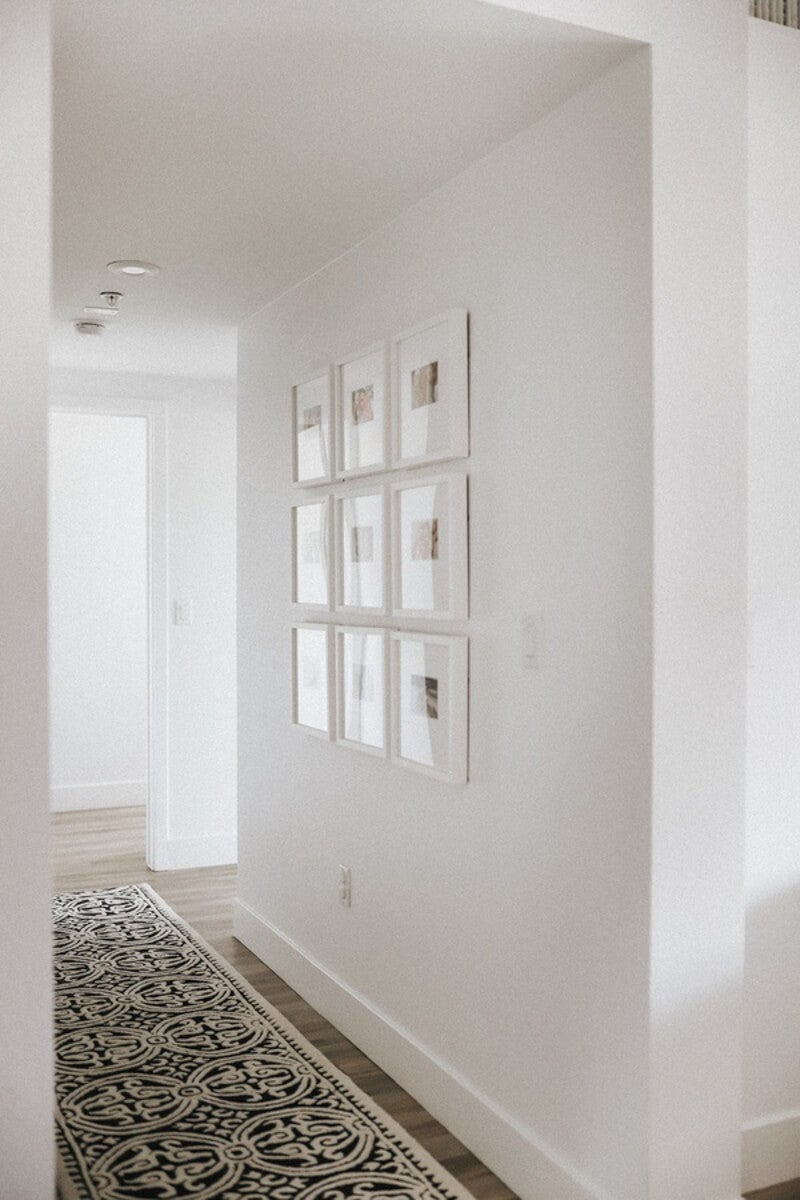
[105, 847]
[783, 1191]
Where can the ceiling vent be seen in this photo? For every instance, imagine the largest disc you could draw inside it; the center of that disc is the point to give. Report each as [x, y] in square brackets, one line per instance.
[780, 12]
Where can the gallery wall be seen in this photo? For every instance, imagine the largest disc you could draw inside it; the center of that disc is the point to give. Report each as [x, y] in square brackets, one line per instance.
[193, 468]
[495, 957]
[26, 1164]
[98, 603]
[772, 992]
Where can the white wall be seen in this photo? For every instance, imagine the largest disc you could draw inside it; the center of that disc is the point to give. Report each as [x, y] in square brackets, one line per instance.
[202, 570]
[696, 907]
[699, 188]
[98, 590]
[192, 430]
[772, 994]
[502, 927]
[26, 1137]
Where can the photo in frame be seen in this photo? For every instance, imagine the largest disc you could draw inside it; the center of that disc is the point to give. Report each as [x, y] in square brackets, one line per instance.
[362, 422]
[430, 548]
[312, 430]
[311, 679]
[361, 675]
[430, 391]
[312, 565]
[362, 550]
[429, 704]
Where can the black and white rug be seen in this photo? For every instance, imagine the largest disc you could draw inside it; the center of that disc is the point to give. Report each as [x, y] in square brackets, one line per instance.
[175, 1079]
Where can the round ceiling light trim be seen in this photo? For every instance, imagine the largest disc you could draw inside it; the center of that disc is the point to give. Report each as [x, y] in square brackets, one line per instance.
[92, 328]
[132, 266]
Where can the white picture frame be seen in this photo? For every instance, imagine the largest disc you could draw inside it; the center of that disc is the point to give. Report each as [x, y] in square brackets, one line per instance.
[430, 571]
[430, 391]
[362, 412]
[312, 430]
[362, 691]
[363, 545]
[429, 704]
[312, 554]
[312, 680]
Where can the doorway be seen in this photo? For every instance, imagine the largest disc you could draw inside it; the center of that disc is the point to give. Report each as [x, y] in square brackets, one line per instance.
[99, 611]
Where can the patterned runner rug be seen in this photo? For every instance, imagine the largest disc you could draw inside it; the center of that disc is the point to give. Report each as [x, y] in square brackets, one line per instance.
[175, 1079]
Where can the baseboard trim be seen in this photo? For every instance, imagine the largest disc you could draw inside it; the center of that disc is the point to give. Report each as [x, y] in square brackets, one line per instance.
[771, 1150]
[514, 1153]
[179, 854]
[126, 793]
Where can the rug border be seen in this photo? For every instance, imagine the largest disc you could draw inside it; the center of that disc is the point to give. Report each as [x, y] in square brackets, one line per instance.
[416, 1152]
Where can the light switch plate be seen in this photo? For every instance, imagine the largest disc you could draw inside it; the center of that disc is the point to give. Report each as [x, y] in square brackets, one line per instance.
[532, 637]
[184, 614]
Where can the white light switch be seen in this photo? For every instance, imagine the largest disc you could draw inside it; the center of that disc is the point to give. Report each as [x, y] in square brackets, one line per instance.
[532, 637]
[183, 612]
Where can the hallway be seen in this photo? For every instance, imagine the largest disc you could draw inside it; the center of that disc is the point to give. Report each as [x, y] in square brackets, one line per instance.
[105, 848]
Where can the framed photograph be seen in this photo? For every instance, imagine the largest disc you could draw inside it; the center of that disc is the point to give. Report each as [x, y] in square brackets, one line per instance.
[429, 548]
[430, 391]
[361, 675]
[311, 679]
[429, 704]
[312, 543]
[312, 429]
[362, 401]
[362, 551]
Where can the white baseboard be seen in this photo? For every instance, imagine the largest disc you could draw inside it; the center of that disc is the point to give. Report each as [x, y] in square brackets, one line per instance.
[127, 793]
[178, 854]
[771, 1151]
[513, 1152]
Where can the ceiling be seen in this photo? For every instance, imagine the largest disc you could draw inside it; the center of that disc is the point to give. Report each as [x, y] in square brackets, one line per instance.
[243, 144]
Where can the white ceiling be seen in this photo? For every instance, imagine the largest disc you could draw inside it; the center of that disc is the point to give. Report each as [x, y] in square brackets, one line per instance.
[242, 144]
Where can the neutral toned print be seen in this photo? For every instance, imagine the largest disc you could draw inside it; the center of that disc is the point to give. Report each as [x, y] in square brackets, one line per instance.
[425, 696]
[361, 404]
[425, 540]
[362, 543]
[425, 385]
[311, 417]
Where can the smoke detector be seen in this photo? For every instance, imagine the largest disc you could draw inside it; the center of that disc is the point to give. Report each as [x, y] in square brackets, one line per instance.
[92, 328]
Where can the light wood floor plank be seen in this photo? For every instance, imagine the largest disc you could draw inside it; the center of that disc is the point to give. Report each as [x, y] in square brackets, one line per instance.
[782, 1191]
[105, 848]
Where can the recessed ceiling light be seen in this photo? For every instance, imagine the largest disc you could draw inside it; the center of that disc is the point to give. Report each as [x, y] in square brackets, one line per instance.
[89, 327]
[92, 311]
[132, 266]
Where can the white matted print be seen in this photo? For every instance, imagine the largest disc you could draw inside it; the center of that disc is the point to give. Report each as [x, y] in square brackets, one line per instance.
[311, 554]
[361, 688]
[429, 704]
[362, 412]
[311, 417]
[361, 538]
[311, 672]
[429, 548]
[430, 390]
